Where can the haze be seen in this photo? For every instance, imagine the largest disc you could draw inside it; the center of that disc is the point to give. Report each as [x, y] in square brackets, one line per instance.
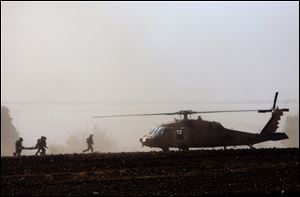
[63, 62]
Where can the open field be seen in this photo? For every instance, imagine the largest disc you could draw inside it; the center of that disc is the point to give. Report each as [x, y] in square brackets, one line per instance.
[202, 172]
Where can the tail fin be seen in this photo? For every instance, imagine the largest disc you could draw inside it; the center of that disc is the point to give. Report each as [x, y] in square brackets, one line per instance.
[272, 124]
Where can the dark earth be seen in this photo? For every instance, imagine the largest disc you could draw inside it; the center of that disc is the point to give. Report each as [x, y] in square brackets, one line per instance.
[230, 172]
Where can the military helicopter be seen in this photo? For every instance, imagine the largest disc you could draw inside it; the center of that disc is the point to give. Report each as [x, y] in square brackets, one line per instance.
[188, 133]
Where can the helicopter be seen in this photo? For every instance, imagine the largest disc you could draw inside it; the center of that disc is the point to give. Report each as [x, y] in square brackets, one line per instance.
[187, 133]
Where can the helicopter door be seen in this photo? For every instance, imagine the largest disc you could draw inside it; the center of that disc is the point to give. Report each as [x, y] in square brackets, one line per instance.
[179, 134]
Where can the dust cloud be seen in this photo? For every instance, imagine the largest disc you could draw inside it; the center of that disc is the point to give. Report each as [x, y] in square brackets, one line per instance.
[63, 63]
[291, 128]
[76, 142]
[9, 133]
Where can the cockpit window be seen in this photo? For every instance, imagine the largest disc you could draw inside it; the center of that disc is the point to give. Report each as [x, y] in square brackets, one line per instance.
[156, 131]
[152, 131]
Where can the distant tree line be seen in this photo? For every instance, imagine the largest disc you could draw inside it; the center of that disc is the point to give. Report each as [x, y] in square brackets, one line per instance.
[9, 133]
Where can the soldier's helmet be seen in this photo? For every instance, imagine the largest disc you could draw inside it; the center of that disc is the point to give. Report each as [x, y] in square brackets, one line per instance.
[91, 135]
[21, 139]
[43, 137]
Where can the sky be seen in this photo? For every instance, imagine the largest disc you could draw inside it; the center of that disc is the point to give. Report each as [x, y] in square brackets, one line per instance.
[63, 62]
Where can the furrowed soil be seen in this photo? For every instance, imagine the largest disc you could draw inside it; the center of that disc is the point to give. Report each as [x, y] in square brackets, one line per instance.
[246, 172]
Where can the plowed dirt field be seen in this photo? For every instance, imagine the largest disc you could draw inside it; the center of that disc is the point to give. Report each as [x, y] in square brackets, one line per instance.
[200, 172]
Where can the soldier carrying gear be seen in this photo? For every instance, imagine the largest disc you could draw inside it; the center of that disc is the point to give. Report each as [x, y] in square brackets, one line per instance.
[90, 143]
[19, 147]
[41, 145]
[38, 145]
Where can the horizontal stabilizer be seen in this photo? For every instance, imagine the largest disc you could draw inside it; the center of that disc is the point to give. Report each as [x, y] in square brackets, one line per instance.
[278, 136]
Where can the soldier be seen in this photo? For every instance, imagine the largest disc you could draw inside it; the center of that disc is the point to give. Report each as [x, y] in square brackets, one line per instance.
[38, 145]
[41, 145]
[19, 147]
[90, 143]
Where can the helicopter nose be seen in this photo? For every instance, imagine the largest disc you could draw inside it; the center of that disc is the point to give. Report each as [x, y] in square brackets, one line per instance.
[143, 140]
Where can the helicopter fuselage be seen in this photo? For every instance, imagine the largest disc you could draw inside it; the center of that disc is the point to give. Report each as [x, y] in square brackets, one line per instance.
[189, 133]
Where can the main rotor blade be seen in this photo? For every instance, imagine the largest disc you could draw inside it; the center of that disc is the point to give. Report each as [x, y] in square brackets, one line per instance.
[224, 111]
[177, 113]
[154, 114]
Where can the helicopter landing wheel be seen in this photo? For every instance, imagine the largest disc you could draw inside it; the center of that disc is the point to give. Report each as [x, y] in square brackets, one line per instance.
[165, 149]
[184, 149]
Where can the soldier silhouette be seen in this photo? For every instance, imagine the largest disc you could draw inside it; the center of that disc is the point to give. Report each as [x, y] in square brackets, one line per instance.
[90, 143]
[41, 145]
[19, 147]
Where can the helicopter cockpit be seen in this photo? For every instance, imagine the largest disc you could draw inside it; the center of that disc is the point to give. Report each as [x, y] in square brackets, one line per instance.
[155, 132]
